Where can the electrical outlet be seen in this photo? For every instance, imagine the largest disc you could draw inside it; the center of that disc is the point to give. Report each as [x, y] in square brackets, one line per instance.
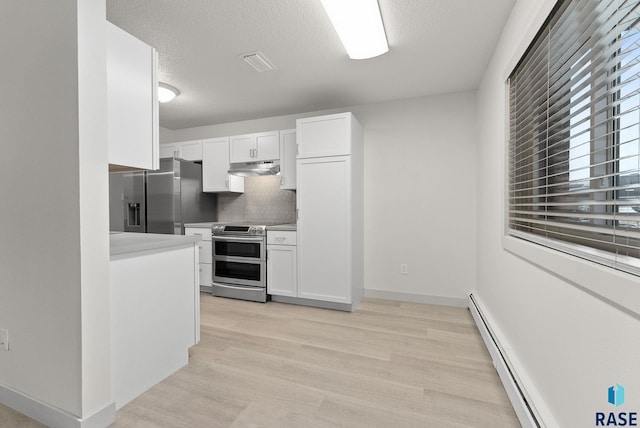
[404, 270]
[4, 339]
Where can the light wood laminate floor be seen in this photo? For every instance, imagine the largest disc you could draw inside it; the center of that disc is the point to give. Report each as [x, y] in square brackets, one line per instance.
[388, 364]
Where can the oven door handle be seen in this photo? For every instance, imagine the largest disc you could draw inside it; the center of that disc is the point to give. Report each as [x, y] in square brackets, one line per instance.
[238, 238]
[238, 287]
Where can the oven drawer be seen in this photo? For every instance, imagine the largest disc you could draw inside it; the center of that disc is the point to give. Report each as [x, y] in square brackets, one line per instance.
[233, 271]
[281, 237]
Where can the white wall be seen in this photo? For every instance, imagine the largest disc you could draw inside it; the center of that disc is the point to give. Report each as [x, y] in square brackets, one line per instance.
[567, 344]
[420, 192]
[94, 208]
[54, 237]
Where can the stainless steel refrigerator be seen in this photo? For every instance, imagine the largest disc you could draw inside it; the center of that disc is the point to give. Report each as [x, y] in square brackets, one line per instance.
[160, 201]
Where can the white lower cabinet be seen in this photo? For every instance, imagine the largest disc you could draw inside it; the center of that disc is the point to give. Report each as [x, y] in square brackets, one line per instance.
[282, 263]
[204, 247]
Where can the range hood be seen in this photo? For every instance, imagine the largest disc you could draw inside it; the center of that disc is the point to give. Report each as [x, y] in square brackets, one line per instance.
[254, 169]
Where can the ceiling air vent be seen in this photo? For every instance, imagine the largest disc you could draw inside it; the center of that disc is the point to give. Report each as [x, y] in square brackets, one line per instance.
[258, 61]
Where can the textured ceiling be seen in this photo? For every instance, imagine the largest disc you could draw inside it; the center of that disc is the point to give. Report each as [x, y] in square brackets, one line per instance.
[435, 46]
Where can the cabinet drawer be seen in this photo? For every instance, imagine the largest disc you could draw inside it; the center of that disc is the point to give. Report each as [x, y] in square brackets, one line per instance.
[204, 232]
[281, 237]
[205, 274]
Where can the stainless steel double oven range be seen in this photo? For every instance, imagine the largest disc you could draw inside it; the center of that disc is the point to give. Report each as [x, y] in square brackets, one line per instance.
[239, 261]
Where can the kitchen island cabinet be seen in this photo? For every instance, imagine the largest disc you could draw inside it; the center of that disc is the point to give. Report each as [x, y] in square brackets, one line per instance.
[155, 309]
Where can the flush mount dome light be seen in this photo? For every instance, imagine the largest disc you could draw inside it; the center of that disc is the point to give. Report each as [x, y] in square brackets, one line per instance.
[166, 92]
[359, 26]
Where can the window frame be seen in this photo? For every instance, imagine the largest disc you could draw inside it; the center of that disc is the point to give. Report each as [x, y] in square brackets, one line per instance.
[599, 278]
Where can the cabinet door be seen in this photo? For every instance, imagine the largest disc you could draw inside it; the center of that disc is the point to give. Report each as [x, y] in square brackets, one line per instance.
[323, 229]
[281, 270]
[288, 153]
[191, 150]
[324, 135]
[215, 167]
[206, 276]
[267, 146]
[132, 101]
[263, 146]
[242, 148]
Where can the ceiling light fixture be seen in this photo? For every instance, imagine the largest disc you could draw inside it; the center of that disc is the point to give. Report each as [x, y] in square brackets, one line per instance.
[166, 92]
[359, 26]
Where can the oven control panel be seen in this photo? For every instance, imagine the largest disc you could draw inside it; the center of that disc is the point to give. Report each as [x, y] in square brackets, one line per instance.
[238, 230]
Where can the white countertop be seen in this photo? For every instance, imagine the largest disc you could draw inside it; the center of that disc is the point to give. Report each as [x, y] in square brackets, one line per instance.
[205, 225]
[127, 242]
[208, 225]
[291, 226]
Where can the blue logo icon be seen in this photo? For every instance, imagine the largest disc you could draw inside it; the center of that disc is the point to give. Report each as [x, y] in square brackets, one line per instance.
[616, 395]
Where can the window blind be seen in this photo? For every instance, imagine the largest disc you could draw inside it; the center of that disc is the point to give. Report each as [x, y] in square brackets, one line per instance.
[574, 132]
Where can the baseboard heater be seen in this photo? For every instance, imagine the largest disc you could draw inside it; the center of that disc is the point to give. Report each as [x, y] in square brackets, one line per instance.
[518, 398]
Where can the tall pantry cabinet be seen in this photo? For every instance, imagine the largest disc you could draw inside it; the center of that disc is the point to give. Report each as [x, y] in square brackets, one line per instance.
[330, 210]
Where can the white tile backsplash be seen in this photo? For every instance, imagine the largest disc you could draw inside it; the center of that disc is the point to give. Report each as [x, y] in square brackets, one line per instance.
[262, 202]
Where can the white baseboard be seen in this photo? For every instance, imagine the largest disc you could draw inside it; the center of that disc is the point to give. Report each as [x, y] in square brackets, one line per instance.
[417, 298]
[52, 416]
[515, 391]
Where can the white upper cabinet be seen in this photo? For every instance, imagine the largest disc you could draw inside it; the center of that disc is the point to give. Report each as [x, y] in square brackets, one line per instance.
[330, 135]
[132, 101]
[187, 150]
[191, 150]
[168, 150]
[215, 167]
[262, 146]
[288, 153]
